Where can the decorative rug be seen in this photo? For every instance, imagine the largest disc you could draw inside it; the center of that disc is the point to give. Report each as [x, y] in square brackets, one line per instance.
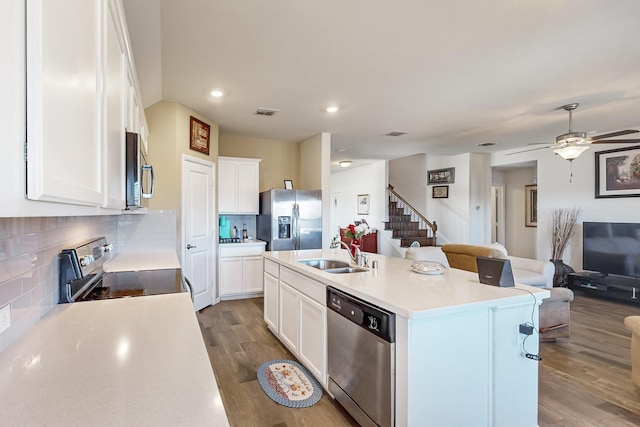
[289, 383]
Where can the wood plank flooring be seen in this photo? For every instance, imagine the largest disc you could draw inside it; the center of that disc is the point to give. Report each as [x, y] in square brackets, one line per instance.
[585, 380]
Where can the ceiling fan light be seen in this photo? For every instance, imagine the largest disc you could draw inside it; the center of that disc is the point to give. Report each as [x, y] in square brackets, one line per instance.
[345, 163]
[571, 152]
[572, 138]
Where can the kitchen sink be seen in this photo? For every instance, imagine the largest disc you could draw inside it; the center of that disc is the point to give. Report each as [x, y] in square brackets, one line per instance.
[343, 270]
[325, 264]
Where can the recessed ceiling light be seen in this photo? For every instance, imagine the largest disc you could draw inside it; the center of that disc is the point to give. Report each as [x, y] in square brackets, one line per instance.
[345, 163]
[332, 109]
[217, 93]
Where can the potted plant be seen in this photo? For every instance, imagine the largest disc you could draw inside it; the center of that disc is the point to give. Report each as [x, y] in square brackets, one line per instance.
[563, 222]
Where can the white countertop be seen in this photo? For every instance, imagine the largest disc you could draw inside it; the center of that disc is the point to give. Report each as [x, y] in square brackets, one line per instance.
[395, 287]
[142, 261]
[254, 242]
[122, 362]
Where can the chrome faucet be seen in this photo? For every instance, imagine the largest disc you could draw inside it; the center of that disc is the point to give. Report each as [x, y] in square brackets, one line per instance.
[357, 258]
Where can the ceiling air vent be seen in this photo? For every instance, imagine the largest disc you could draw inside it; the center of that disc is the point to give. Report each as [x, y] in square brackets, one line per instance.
[266, 111]
[396, 133]
[486, 144]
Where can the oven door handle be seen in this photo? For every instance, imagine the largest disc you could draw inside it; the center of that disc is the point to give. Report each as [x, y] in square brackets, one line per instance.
[189, 287]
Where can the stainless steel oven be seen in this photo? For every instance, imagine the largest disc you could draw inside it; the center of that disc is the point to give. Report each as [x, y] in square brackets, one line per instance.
[82, 278]
[361, 343]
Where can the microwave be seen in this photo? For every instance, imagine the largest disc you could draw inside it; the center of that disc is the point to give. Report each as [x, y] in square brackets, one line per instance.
[139, 179]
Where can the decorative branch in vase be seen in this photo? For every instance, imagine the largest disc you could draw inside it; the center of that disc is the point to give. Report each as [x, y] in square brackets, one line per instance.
[563, 222]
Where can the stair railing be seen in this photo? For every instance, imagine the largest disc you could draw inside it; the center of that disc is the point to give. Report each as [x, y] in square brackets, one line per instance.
[416, 216]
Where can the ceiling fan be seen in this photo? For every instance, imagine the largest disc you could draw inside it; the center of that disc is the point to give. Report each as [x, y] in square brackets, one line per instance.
[571, 144]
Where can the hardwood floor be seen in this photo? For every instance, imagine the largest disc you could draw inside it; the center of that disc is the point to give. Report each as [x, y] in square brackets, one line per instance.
[238, 341]
[585, 380]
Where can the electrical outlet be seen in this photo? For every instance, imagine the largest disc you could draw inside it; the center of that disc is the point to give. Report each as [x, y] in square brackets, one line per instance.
[5, 318]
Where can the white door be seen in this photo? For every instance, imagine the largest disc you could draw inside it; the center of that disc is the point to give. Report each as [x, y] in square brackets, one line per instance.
[199, 231]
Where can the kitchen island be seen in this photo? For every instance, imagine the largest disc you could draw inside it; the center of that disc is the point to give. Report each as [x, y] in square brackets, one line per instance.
[460, 359]
[119, 362]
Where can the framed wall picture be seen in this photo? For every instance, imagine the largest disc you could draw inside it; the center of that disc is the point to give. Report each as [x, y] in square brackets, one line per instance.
[288, 184]
[441, 176]
[531, 205]
[440, 192]
[199, 135]
[363, 204]
[618, 173]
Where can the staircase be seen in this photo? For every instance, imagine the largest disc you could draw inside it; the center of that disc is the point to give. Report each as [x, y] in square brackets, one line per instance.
[407, 224]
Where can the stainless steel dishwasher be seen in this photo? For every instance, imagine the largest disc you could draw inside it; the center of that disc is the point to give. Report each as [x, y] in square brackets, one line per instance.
[361, 343]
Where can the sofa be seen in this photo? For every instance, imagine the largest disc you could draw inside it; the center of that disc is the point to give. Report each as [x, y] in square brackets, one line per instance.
[632, 323]
[555, 316]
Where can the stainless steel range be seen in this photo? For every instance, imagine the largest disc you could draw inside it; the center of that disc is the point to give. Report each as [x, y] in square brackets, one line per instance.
[82, 278]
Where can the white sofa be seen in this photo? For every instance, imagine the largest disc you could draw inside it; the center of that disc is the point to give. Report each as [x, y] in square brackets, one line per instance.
[527, 271]
[555, 313]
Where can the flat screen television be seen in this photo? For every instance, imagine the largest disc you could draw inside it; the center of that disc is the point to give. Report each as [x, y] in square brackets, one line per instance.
[611, 248]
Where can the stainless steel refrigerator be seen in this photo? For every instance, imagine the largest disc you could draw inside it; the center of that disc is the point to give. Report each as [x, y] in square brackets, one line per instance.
[290, 219]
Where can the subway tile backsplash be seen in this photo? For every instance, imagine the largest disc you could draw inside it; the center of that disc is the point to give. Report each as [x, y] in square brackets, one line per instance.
[29, 249]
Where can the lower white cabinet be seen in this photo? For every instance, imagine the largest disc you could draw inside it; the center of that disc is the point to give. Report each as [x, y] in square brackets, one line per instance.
[289, 316]
[271, 302]
[301, 324]
[240, 270]
[312, 345]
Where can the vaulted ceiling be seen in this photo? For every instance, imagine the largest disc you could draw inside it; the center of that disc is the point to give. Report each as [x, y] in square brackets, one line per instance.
[452, 74]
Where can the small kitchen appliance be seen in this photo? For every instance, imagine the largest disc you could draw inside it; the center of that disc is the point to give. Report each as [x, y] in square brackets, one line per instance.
[225, 231]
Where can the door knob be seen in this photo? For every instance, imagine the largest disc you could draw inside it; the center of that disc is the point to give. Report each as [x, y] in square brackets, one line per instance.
[189, 246]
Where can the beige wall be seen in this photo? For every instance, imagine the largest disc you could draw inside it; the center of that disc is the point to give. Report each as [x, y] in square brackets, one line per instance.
[280, 160]
[168, 140]
[311, 163]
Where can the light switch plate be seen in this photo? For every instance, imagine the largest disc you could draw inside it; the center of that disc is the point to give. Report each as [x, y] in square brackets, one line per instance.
[5, 318]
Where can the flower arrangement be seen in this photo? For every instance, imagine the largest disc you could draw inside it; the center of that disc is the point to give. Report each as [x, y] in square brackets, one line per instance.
[356, 232]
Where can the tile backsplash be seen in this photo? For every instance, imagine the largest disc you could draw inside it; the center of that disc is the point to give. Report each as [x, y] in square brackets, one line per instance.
[29, 249]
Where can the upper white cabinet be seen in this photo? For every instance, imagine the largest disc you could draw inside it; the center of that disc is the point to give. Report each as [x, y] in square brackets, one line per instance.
[64, 92]
[80, 85]
[114, 117]
[238, 185]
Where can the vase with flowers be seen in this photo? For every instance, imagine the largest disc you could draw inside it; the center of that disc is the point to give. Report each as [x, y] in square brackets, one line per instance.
[355, 233]
[563, 222]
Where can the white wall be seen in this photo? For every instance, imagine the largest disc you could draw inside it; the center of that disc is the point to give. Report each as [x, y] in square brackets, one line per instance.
[408, 175]
[519, 240]
[451, 214]
[555, 191]
[369, 179]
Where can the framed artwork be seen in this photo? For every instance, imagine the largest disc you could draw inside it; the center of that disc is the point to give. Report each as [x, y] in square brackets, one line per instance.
[288, 184]
[531, 205]
[363, 204]
[441, 176]
[440, 192]
[199, 135]
[618, 173]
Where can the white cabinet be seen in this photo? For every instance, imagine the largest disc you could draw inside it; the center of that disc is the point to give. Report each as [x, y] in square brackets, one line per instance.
[114, 103]
[288, 316]
[302, 318]
[312, 345]
[271, 296]
[63, 101]
[240, 270]
[78, 73]
[238, 185]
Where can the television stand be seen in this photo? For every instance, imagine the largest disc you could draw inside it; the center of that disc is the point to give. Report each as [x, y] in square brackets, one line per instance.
[608, 286]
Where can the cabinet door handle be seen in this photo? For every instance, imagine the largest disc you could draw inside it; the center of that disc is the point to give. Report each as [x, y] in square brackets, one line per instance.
[189, 246]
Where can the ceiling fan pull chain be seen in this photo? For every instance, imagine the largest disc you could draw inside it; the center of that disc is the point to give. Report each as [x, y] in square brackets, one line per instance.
[570, 171]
